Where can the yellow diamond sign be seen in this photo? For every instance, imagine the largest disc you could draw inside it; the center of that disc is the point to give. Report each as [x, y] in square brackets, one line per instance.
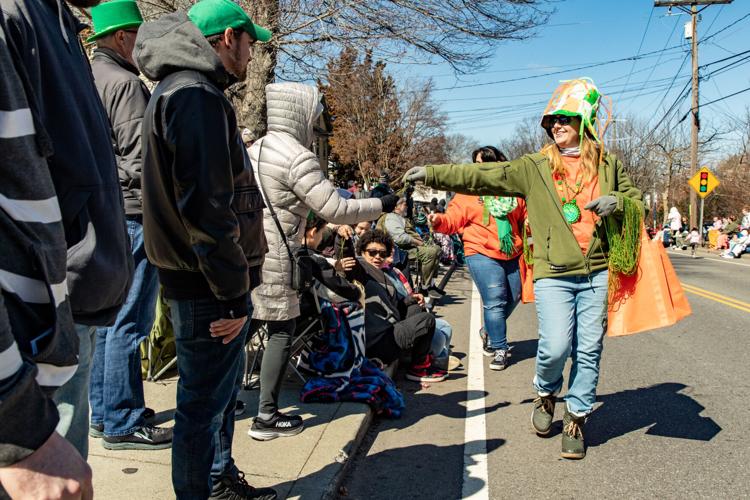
[703, 182]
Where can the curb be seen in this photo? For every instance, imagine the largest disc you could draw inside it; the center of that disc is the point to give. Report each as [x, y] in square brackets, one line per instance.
[331, 492]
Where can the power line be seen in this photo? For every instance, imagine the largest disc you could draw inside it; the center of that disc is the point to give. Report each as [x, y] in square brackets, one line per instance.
[640, 46]
[714, 101]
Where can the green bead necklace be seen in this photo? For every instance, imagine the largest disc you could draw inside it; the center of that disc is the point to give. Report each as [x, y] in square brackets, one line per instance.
[570, 209]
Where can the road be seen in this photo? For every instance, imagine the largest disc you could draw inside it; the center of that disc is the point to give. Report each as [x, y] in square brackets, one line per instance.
[670, 420]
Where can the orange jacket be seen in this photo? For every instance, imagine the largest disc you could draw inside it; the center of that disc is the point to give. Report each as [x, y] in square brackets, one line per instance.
[465, 214]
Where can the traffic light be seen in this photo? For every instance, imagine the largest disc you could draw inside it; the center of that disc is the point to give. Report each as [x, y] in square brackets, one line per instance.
[704, 182]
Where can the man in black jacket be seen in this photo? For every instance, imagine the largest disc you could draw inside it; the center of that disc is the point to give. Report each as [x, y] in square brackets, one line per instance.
[118, 412]
[203, 228]
[72, 134]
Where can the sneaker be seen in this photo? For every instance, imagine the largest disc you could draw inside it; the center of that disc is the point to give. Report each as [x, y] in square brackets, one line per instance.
[501, 360]
[239, 408]
[236, 488]
[144, 438]
[279, 426]
[573, 445]
[96, 431]
[544, 411]
[428, 374]
[486, 349]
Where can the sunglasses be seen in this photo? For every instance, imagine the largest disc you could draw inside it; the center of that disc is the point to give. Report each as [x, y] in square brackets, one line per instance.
[372, 253]
[561, 119]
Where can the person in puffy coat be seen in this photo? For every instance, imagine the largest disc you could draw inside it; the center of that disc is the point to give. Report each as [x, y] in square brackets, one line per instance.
[293, 184]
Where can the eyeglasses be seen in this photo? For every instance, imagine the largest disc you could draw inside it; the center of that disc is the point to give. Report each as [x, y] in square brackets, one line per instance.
[372, 253]
[561, 119]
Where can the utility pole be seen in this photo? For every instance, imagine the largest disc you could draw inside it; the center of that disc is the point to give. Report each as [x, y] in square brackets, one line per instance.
[693, 11]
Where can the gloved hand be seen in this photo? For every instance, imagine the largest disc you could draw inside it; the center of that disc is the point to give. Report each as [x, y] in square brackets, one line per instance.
[415, 174]
[602, 206]
[389, 202]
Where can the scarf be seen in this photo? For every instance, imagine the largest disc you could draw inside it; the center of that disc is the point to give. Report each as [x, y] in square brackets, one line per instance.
[499, 207]
[576, 151]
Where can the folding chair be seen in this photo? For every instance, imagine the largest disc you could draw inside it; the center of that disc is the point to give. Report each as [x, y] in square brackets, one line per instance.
[309, 324]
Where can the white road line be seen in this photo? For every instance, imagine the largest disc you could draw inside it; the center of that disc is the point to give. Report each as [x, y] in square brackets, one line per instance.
[475, 484]
[714, 259]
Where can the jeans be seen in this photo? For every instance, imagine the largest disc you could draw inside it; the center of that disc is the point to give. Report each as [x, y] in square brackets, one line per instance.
[72, 398]
[117, 358]
[499, 285]
[206, 397]
[441, 341]
[572, 315]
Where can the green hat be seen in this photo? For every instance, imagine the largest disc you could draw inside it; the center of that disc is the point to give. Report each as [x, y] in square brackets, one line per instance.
[214, 16]
[109, 17]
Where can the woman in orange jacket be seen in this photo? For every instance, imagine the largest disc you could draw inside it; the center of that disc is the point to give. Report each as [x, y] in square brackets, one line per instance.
[491, 229]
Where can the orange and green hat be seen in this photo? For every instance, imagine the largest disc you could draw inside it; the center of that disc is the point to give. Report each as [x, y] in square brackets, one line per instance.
[578, 98]
[214, 16]
[109, 17]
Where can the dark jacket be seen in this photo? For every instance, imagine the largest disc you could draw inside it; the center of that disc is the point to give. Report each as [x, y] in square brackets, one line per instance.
[125, 98]
[38, 345]
[556, 251]
[203, 212]
[73, 133]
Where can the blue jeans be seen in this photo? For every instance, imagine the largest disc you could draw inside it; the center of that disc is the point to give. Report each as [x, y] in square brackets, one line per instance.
[117, 359]
[206, 397]
[441, 340]
[572, 315]
[72, 398]
[499, 285]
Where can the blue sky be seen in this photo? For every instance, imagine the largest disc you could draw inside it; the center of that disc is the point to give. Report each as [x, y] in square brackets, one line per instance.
[585, 32]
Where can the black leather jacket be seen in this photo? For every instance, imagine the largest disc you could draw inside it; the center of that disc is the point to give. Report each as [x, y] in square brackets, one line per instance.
[203, 212]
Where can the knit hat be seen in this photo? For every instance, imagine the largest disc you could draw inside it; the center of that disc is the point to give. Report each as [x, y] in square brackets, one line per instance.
[109, 17]
[577, 98]
[214, 16]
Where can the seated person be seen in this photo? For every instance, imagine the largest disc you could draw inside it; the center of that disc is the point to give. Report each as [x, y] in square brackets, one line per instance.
[406, 238]
[737, 245]
[393, 323]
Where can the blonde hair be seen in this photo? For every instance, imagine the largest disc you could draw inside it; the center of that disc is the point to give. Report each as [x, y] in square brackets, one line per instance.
[592, 155]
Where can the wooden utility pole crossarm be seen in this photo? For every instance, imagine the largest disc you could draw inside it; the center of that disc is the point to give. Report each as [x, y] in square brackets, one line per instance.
[687, 3]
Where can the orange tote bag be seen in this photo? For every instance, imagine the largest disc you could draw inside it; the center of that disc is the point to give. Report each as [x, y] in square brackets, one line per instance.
[651, 298]
[527, 281]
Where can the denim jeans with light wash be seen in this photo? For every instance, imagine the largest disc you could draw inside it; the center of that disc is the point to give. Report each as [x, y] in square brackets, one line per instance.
[206, 397]
[499, 285]
[72, 398]
[441, 340]
[572, 315]
[117, 358]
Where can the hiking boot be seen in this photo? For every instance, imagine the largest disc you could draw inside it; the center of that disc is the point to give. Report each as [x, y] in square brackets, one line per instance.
[428, 374]
[146, 437]
[96, 430]
[486, 349]
[501, 360]
[573, 445]
[544, 411]
[236, 488]
[279, 425]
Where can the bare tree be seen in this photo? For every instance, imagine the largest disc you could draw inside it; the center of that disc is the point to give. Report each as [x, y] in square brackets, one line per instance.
[458, 148]
[528, 137]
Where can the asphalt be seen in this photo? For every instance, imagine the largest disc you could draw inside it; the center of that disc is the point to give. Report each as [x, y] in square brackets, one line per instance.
[669, 422]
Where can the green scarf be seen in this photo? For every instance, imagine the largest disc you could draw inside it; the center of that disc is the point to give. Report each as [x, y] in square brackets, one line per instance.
[499, 207]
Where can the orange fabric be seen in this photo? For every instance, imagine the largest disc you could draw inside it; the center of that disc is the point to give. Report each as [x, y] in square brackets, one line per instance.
[652, 298]
[465, 214]
[584, 228]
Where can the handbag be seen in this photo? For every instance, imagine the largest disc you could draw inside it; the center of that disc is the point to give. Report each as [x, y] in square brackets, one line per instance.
[302, 264]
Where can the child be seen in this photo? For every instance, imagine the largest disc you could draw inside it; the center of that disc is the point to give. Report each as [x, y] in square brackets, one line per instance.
[694, 238]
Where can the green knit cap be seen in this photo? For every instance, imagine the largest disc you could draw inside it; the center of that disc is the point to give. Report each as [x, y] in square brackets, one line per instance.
[215, 16]
[109, 17]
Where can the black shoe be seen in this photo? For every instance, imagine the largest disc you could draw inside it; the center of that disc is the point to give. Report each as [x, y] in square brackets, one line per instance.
[279, 426]
[148, 414]
[236, 488]
[144, 438]
[486, 349]
[96, 430]
[501, 360]
[437, 290]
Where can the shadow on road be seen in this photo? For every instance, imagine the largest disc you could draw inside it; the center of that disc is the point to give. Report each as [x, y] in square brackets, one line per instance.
[662, 408]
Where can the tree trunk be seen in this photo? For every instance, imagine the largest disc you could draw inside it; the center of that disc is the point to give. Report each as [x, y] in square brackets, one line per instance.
[251, 109]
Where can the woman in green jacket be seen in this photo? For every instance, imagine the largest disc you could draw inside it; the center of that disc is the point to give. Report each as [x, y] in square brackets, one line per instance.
[585, 216]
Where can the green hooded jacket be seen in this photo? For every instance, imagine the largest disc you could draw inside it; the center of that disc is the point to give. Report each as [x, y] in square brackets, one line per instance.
[556, 251]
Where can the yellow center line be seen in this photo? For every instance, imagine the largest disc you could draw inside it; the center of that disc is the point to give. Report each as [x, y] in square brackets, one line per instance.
[722, 299]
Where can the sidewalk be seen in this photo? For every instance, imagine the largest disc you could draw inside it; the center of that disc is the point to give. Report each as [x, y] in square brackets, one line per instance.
[307, 466]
